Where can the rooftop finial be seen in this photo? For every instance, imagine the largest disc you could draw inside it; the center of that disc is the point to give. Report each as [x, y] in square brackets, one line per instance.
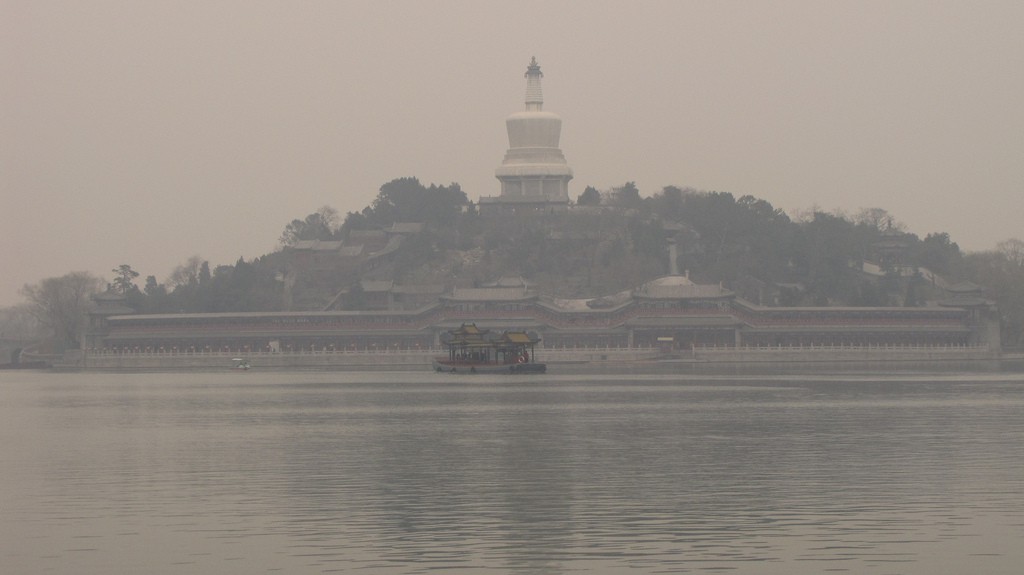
[533, 68]
[534, 97]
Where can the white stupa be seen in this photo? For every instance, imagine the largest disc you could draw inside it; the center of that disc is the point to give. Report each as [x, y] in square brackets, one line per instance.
[534, 175]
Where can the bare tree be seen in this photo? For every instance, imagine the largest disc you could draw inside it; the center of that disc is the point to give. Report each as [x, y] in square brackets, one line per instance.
[60, 304]
[320, 225]
[187, 273]
[806, 215]
[1013, 250]
[879, 219]
[18, 322]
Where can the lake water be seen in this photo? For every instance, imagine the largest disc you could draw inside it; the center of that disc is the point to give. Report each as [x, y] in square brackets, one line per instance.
[379, 473]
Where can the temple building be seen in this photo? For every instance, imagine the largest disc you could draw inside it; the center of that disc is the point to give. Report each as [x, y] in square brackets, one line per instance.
[534, 175]
[670, 313]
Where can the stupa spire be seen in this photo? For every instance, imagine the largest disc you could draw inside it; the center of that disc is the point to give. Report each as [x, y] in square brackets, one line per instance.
[534, 97]
[534, 175]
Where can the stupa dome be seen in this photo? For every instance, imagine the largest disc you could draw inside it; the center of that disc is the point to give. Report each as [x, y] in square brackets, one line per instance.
[534, 166]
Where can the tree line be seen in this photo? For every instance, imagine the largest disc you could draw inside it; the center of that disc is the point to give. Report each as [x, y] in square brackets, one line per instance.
[612, 240]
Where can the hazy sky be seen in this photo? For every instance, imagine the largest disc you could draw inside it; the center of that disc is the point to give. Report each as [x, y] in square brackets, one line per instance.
[146, 132]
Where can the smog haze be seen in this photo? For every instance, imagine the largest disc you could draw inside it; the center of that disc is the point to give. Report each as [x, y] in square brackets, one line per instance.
[144, 133]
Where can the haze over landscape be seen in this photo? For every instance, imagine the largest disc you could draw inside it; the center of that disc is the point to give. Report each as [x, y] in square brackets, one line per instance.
[145, 133]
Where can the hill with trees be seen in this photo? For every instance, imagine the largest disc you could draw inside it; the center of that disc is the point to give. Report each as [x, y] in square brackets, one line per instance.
[611, 240]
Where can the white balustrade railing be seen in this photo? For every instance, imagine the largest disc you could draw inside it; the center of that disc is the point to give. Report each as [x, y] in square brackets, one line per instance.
[703, 349]
[895, 347]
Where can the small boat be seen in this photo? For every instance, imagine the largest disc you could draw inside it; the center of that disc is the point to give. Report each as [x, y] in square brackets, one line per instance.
[240, 363]
[473, 350]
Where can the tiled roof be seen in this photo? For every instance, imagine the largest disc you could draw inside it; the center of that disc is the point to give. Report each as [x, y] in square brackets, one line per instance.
[490, 294]
[679, 287]
[316, 245]
[376, 285]
[406, 228]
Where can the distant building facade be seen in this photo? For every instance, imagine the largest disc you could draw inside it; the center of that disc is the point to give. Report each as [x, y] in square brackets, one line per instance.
[534, 175]
[667, 313]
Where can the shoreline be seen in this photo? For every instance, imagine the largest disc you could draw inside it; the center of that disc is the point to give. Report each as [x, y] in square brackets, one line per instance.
[768, 358]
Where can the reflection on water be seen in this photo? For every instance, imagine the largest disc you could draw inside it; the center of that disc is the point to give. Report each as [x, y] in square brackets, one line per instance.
[406, 473]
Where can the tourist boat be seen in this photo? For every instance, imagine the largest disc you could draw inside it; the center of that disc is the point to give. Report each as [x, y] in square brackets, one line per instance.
[473, 350]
